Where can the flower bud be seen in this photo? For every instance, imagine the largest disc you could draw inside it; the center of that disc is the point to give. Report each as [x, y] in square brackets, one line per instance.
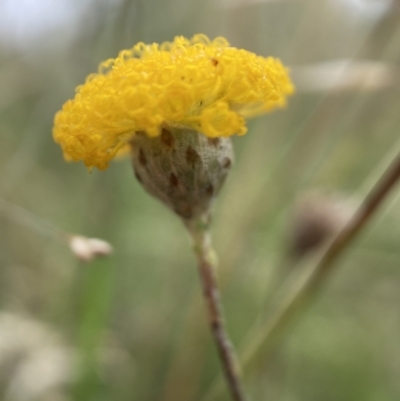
[316, 219]
[183, 168]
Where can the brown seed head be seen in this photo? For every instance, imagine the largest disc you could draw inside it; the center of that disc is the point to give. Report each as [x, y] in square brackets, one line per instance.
[316, 218]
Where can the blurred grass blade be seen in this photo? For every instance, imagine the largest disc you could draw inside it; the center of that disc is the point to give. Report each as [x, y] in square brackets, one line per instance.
[95, 305]
[345, 75]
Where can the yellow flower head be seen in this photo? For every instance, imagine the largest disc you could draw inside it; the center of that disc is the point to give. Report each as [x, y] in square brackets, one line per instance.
[198, 84]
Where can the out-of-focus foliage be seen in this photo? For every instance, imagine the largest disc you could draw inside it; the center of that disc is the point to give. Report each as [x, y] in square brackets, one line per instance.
[132, 327]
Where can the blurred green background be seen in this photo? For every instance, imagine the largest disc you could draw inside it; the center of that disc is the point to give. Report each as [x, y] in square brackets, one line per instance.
[132, 326]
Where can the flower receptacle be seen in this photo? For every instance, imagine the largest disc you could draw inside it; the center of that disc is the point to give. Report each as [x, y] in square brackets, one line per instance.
[183, 168]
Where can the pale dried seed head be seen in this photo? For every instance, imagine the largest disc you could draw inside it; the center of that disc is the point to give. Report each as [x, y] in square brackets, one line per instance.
[182, 168]
[87, 249]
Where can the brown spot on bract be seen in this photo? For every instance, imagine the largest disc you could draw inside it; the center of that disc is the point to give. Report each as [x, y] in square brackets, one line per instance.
[214, 62]
[192, 157]
[214, 141]
[210, 190]
[142, 157]
[166, 138]
[226, 163]
[173, 180]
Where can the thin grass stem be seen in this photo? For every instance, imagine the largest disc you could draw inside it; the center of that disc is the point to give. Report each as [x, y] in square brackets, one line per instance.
[314, 277]
[298, 293]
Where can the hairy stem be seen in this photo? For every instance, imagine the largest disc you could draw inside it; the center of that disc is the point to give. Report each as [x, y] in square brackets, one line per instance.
[207, 265]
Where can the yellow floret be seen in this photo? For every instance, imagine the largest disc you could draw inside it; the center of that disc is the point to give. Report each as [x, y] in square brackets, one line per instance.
[197, 84]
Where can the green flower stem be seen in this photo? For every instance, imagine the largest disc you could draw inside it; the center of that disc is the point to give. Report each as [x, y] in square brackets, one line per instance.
[207, 265]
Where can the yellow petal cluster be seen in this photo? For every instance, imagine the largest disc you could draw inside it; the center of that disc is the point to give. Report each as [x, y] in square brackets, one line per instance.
[193, 83]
